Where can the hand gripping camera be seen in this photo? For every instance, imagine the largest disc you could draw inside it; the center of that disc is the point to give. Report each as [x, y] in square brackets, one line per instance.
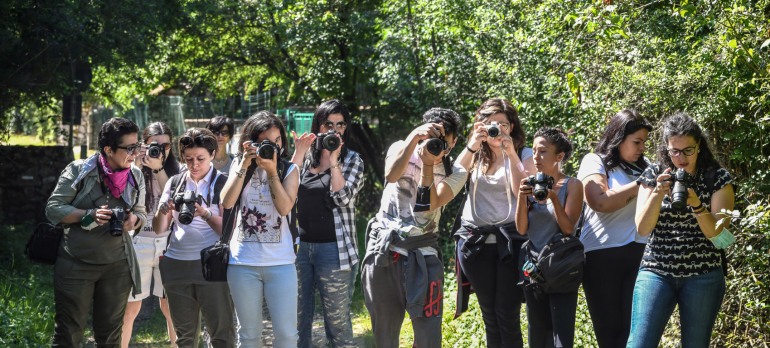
[493, 129]
[679, 192]
[116, 221]
[266, 149]
[541, 183]
[184, 203]
[154, 150]
[329, 140]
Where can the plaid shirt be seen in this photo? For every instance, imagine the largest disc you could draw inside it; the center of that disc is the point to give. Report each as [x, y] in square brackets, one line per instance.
[352, 167]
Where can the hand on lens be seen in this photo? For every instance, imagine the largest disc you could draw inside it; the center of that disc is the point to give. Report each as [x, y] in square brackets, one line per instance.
[268, 164]
[428, 130]
[524, 188]
[426, 157]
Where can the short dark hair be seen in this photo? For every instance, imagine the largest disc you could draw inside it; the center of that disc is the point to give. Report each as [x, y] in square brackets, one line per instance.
[558, 138]
[217, 122]
[448, 118]
[258, 123]
[197, 137]
[681, 124]
[623, 124]
[114, 129]
[320, 116]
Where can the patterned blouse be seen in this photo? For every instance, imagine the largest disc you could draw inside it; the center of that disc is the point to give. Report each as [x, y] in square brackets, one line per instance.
[677, 247]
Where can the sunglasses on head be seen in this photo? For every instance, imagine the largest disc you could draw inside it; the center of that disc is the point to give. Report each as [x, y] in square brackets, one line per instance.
[194, 141]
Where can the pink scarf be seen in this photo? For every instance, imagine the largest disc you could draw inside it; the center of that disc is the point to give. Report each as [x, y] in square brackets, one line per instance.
[116, 180]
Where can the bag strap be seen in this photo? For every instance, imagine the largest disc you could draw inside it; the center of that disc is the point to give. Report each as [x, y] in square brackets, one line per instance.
[230, 214]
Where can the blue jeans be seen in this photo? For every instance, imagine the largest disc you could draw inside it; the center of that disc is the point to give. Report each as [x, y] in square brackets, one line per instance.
[655, 296]
[318, 267]
[278, 284]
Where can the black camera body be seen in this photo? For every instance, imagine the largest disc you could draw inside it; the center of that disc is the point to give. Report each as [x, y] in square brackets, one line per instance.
[116, 221]
[541, 184]
[154, 150]
[493, 129]
[436, 145]
[330, 140]
[682, 181]
[266, 149]
[184, 203]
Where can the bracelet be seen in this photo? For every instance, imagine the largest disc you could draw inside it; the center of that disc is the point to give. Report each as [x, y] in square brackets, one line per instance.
[240, 173]
[208, 215]
[470, 150]
[335, 166]
[693, 209]
[272, 178]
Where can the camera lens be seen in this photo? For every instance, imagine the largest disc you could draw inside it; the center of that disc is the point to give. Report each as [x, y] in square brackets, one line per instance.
[331, 142]
[116, 222]
[434, 146]
[266, 151]
[493, 130]
[679, 192]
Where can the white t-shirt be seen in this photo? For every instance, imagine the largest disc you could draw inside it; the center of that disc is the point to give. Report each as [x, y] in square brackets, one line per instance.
[188, 240]
[398, 199]
[261, 236]
[608, 230]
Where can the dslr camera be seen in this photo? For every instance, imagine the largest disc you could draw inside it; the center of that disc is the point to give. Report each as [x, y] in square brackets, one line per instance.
[682, 181]
[493, 129]
[266, 149]
[184, 203]
[329, 140]
[116, 221]
[541, 183]
[436, 145]
[154, 150]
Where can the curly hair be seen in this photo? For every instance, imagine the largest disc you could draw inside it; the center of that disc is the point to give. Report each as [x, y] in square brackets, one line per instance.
[681, 124]
[558, 138]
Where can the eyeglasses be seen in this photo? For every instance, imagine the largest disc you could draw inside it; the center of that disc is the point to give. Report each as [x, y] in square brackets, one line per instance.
[131, 149]
[687, 151]
[221, 133]
[341, 125]
[505, 126]
[199, 140]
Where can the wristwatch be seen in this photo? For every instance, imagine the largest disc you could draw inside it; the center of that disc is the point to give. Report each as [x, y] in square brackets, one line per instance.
[87, 222]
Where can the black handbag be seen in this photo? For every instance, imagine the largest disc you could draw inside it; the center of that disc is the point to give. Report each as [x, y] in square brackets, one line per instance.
[43, 245]
[214, 259]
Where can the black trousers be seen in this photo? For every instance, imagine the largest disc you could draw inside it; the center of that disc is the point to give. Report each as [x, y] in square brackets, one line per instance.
[76, 286]
[551, 318]
[608, 282]
[498, 295]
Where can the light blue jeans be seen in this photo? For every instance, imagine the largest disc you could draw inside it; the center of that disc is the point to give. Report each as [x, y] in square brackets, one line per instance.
[655, 296]
[278, 284]
[318, 267]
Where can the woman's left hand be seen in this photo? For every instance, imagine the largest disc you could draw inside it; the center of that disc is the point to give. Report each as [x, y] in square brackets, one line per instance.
[129, 224]
[303, 142]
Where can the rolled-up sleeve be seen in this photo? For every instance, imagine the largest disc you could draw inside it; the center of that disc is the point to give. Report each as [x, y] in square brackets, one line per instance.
[60, 203]
[353, 172]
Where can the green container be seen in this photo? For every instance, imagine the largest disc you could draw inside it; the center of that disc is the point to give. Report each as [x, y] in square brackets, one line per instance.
[299, 122]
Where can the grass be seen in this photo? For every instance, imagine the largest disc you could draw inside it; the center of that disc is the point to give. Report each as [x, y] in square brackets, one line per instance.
[31, 140]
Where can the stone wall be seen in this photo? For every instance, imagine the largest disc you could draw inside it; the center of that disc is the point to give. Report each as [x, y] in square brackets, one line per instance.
[28, 175]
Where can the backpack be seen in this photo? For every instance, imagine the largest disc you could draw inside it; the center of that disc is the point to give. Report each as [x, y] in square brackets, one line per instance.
[558, 267]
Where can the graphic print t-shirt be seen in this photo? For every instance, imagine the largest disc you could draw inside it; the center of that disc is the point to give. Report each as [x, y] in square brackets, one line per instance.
[261, 236]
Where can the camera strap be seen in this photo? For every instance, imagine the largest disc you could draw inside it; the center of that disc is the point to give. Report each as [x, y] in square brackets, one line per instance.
[506, 166]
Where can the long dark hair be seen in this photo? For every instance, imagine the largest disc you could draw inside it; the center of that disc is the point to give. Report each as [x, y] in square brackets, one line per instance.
[170, 163]
[258, 123]
[495, 106]
[327, 108]
[681, 124]
[623, 124]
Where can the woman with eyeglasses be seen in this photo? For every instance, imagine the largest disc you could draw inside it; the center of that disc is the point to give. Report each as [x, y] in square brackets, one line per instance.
[158, 163]
[192, 201]
[683, 263]
[551, 317]
[487, 242]
[222, 127]
[262, 249]
[402, 269]
[327, 258]
[98, 201]
[613, 248]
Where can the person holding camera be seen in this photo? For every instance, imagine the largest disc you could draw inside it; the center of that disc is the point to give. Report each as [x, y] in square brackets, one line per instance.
[223, 128]
[613, 248]
[192, 201]
[402, 270]
[549, 204]
[327, 258]
[158, 163]
[487, 242]
[98, 201]
[262, 248]
[683, 263]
